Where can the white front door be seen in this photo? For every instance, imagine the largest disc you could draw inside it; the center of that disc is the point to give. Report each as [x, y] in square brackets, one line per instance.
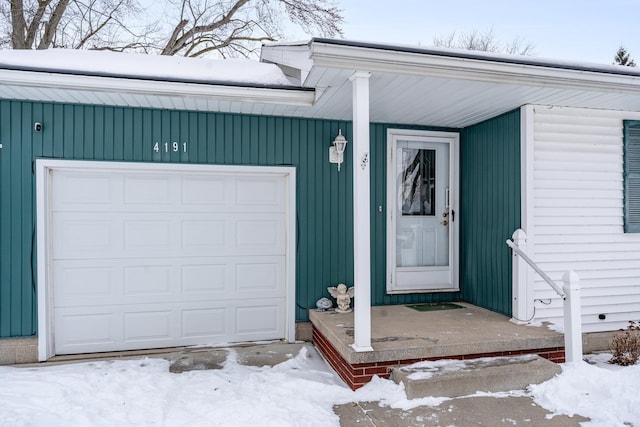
[422, 226]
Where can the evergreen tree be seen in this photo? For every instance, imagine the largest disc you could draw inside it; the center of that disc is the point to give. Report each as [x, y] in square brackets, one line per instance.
[623, 58]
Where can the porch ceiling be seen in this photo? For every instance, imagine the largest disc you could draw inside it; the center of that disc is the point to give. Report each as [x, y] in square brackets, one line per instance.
[448, 102]
[445, 87]
[453, 88]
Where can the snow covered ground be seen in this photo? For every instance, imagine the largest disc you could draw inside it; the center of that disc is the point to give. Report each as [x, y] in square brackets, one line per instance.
[299, 392]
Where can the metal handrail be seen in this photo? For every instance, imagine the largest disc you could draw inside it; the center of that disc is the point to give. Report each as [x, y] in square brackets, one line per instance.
[537, 269]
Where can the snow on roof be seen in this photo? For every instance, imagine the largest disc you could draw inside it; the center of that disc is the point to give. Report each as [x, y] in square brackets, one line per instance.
[236, 71]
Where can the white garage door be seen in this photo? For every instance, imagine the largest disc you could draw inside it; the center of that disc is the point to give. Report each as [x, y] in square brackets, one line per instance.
[151, 259]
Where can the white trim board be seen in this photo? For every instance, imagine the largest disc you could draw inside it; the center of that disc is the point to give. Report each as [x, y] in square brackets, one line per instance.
[44, 171]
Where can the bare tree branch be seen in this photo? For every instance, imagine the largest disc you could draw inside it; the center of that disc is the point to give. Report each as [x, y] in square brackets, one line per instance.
[19, 25]
[181, 42]
[93, 32]
[225, 44]
[315, 17]
[185, 27]
[174, 37]
[52, 26]
[486, 41]
[32, 30]
[519, 46]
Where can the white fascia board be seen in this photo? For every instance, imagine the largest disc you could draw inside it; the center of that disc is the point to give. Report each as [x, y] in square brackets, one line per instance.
[92, 84]
[292, 58]
[425, 64]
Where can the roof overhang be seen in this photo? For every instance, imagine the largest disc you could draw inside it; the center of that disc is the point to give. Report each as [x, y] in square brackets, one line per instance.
[138, 91]
[408, 85]
[454, 88]
[469, 65]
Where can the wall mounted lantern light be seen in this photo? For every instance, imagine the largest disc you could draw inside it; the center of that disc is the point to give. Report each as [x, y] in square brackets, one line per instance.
[336, 151]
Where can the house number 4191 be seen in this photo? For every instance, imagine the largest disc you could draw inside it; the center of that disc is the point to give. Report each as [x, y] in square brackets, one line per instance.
[166, 147]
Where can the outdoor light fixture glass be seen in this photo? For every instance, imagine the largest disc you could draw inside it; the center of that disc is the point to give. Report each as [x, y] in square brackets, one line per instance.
[336, 151]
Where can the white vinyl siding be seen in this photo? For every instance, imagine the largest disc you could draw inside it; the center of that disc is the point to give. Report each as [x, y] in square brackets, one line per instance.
[577, 220]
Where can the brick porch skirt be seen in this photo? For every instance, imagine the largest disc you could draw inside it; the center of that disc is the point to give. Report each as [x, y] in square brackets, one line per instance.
[359, 374]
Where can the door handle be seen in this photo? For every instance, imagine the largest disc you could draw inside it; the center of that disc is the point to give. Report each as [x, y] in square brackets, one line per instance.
[445, 222]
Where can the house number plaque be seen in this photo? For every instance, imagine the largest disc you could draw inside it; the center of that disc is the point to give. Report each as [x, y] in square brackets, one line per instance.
[166, 147]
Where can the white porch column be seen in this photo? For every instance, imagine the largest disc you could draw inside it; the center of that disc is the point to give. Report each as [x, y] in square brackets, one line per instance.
[572, 317]
[522, 293]
[361, 212]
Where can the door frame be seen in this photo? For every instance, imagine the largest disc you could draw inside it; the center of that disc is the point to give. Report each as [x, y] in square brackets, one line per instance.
[44, 169]
[453, 139]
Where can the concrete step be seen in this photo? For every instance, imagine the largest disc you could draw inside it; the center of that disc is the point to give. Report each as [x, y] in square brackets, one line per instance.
[455, 378]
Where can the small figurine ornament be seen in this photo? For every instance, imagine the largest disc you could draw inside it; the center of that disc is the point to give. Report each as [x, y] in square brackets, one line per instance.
[342, 296]
[324, 304]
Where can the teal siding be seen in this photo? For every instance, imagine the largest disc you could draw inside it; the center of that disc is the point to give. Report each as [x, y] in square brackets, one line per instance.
[324, 249]
[489, 209]
[324, 196]
[17, 287]
[324, 252]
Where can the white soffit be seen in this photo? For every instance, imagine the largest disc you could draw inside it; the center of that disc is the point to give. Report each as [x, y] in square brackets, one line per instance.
[455, 89]
[140, 92]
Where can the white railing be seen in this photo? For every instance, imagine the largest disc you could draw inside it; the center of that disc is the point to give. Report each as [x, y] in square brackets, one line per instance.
[523, 300]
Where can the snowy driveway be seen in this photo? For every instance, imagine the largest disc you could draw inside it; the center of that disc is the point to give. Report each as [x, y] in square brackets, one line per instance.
[299, 392]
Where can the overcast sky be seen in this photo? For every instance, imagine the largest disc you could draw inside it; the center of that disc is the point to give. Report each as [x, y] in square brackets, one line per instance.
[585, 30]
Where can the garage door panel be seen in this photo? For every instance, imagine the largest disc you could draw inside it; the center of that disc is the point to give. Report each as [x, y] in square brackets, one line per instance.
[80, 329]
[206, 278]
[263, 321]
[205, 234]
[148, 190]
[92, 191]
[82, 189]
[259, 277]
[204, 323]
[243, 234]
[139, 326]
[207, 191]
[145, 326]
[162, 234]
[79, 234]
[266, 194]
[112, 282]
[82, 282]
[148, 235]
[253, 234]
[166, 258]
[147, 281]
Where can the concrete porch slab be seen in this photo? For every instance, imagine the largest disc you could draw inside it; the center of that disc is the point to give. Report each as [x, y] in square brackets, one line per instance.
[400, 333]
[402, 336]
